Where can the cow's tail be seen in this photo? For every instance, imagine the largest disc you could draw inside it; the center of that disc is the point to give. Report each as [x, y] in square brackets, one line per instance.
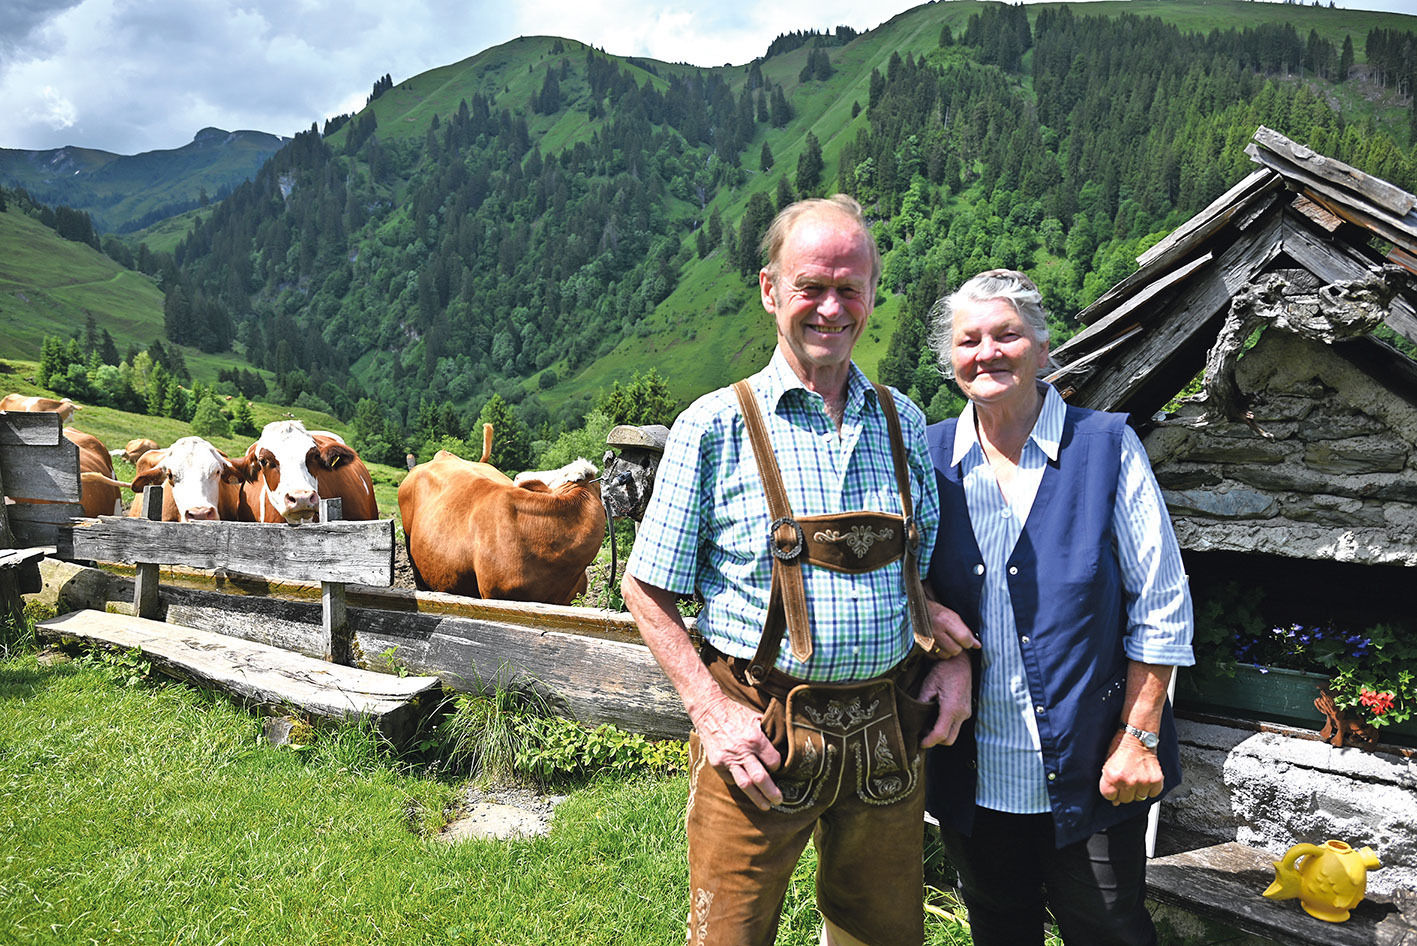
[89, 476]
[486, 444]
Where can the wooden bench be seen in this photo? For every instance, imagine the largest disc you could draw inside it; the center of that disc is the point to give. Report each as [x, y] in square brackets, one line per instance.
[272, 679]
[1222, 885]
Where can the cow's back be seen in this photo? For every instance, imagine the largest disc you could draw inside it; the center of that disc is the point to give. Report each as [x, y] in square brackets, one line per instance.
[98, 499]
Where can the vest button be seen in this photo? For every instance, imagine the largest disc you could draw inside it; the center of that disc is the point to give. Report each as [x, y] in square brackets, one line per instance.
[979, 569]
[1024, 639]
[1052, 776]
[1013, 569]
[1039, 709]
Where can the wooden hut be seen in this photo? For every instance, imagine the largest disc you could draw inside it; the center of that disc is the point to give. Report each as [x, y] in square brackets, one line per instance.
[1261, 352]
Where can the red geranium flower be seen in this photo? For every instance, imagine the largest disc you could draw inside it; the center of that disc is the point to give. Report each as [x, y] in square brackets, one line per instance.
[1377, 703]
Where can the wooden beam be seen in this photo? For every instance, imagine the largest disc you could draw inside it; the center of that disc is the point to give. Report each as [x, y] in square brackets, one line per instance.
[145, 587]
[30, 429]
[361, 552]
[45, 524]
[257, 675]
[1213, 217]
[1393, 199]
[1349, 206]
[334, 618]
[1074, 347]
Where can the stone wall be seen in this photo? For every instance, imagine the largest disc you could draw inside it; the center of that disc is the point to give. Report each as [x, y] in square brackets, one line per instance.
[1271, 791]
[1335, 479]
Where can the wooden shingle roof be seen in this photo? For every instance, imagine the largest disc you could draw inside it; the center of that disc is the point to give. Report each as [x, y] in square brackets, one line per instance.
[1148, 336]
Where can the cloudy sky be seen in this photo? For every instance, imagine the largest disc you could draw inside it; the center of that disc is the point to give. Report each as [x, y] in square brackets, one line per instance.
[138, 75]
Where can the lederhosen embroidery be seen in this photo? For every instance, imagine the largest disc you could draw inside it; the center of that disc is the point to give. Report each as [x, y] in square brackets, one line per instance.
[878, 721]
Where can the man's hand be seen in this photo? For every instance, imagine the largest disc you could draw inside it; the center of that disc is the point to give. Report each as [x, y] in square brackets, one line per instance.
[952, 635]
[734, 744]
[1131, 772]
[949, 684]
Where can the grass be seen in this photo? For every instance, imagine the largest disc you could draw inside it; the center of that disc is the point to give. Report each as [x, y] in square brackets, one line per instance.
[141, 812]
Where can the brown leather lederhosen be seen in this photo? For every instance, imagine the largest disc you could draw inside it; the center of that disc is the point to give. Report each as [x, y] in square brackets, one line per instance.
[877, 720]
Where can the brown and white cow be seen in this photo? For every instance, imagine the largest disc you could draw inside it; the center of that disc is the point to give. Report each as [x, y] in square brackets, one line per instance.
[199, 482]
[471, 531]
[33, 403]
[289, 470]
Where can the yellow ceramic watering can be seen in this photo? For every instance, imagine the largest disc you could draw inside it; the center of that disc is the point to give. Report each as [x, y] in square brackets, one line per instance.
[1329, 882]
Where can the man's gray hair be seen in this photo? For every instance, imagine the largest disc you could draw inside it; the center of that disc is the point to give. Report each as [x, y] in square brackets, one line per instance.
[841, 204]
[1008, 284]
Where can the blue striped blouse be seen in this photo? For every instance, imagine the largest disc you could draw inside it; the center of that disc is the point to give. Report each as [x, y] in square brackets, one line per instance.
[1159, 619]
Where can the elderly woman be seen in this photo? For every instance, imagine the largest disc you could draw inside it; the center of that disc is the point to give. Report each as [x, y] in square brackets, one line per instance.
[1055, 545]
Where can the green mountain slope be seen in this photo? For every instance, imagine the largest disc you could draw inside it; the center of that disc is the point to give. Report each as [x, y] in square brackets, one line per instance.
[542, 220]
[126, 192]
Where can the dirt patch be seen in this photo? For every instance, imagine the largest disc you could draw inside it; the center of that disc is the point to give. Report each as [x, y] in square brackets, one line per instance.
[403, 567]
[502, 812]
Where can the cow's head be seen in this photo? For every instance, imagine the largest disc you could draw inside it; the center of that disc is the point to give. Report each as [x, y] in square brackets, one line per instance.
[193, 470]
[289, 459]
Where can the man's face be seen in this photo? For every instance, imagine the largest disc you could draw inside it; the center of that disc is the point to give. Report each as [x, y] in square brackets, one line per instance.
[822, 293]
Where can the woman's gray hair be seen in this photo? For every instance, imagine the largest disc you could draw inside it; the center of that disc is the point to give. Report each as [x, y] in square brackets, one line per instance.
[1008, 284]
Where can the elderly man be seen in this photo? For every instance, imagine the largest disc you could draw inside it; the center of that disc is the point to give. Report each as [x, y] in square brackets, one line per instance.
[801, 504]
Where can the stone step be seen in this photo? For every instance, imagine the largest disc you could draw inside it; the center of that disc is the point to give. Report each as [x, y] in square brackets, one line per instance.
[268, 679]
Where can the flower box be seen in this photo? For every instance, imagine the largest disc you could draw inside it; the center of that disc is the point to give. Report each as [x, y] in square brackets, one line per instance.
[1270, 694]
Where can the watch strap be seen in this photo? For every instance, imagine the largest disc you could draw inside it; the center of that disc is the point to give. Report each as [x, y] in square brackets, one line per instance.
[1149, 740]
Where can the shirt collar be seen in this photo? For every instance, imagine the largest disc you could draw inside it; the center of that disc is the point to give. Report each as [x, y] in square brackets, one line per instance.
[778, 378]
[1047, 429]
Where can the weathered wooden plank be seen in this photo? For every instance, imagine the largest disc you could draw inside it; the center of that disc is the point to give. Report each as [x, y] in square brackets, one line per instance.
[44, 524]
[48, 473]
[1393, 199]
[1328, 222]
[31, 429]
[1079, 345]
[257, 675]
[360, 552]
[1212, 218]
[1225, 882]
[1351, 207]
[1206, 294]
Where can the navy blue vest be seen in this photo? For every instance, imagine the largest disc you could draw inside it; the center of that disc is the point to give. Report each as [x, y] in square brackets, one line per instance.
[1069, 603]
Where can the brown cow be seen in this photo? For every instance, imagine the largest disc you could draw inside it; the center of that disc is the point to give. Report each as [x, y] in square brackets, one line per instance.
[136, 448]
[33, 403]
[289, 470]
[471, 531]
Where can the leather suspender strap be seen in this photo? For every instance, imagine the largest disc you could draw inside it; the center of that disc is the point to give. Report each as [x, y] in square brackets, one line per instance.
[910, 567]
[788, 595]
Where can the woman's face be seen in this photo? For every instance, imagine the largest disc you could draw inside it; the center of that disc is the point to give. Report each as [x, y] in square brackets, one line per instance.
[994, 354]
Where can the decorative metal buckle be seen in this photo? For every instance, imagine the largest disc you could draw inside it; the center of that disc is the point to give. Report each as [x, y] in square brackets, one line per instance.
[786, 555]
[912, 534]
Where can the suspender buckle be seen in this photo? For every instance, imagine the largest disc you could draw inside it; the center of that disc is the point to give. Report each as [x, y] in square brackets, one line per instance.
[786, 554]
[912, 534]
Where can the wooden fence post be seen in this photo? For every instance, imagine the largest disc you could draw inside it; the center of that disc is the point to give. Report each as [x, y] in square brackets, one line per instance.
[11, 603]
[338, 641]
[145, 599]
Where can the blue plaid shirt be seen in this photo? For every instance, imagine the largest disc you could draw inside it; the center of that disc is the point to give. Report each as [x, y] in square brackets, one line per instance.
[706, 527]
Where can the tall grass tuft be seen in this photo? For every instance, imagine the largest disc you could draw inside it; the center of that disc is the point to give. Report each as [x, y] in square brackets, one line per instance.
[488, 729]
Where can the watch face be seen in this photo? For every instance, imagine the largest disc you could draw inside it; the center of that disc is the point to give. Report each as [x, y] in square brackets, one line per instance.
[1150, 739]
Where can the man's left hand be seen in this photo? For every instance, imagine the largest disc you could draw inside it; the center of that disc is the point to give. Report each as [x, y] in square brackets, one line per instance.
[1131, 772]
[949, 684]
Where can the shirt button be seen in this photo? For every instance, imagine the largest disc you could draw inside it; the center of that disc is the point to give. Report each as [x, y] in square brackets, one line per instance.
[979, 569]
[1005, 512]
[1013, 569]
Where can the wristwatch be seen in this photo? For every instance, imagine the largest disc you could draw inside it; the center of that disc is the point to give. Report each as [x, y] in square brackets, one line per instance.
[1148, 740]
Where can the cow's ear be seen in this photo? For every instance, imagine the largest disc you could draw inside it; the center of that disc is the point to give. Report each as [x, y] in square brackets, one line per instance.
[333, 455]
[150, 477]
[231, 473]
[244, 468]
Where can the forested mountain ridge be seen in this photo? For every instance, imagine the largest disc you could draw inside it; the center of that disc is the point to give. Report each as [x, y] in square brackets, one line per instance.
[543, 219]
[118, 191]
